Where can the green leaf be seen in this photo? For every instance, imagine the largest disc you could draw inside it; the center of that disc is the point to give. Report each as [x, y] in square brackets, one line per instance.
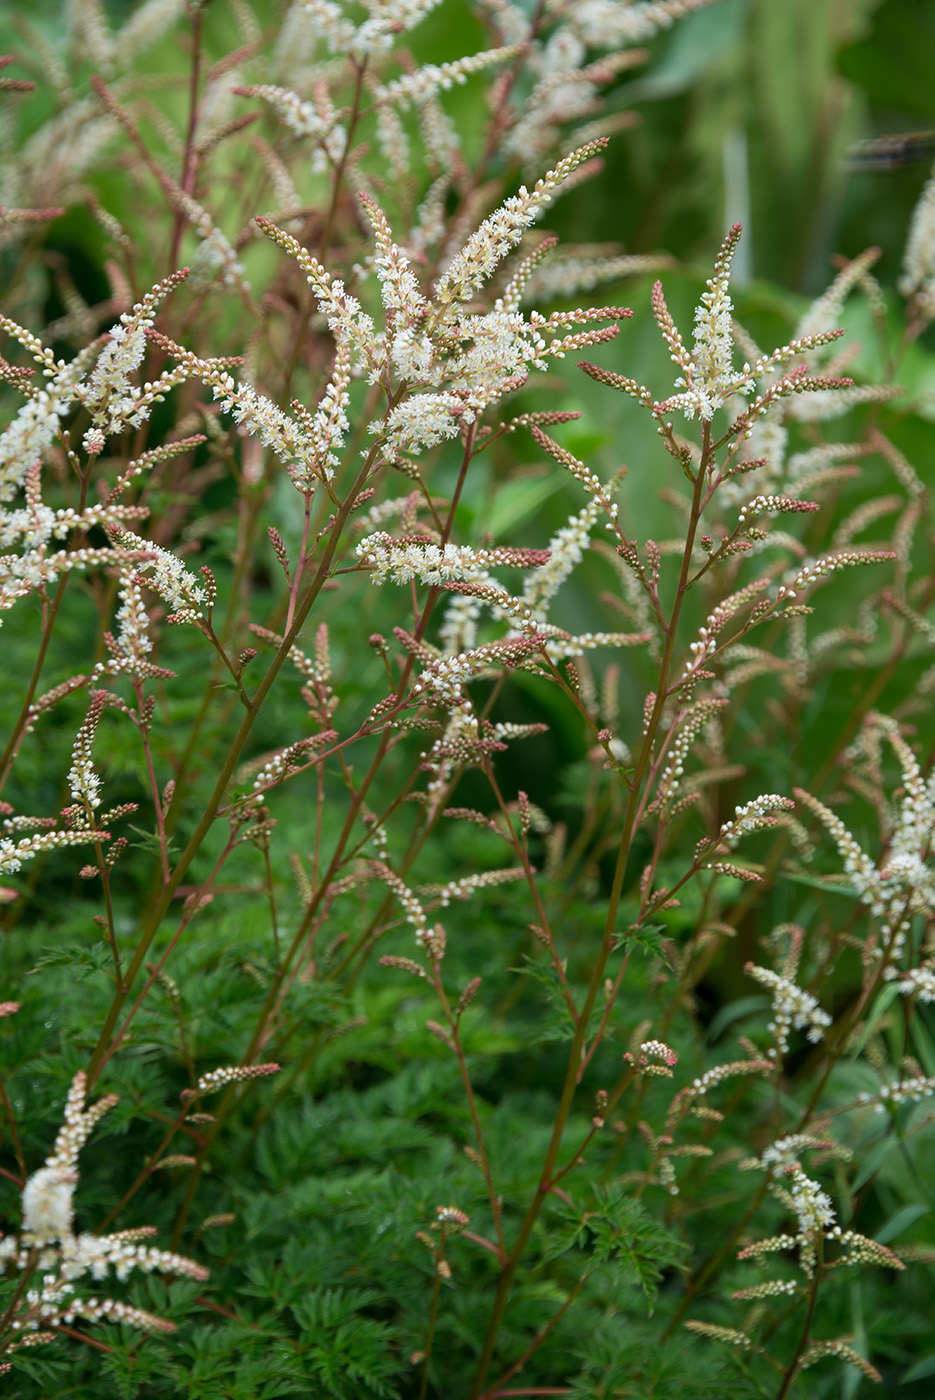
[874, 1160]
[149, 841]
[735, 1011]
[648, 938]
[881, 1002]
[918, 1372]
[517, 501]
[901, 1221]
[82, 960]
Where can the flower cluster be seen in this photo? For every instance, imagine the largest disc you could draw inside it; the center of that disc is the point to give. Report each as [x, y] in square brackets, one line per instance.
[753, 816]
[816, 1221]
[901, 884]
[13, 853]
[655, 1057]
[47, 1241]
[793, 1008]
[165, 573]
[918, 279]
[444, 680]
[465, 887]
[84, 782]
[228, 1074]
[405, 559]
[812, 1205]
[304, 118]
[107, 392]
[415, 914]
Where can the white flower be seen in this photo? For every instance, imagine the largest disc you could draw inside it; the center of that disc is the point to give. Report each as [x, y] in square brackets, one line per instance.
[567, 548]
[47, 1204]
[812, 1205]
[792, 1007]
[31, 433]
[919, 258]
[423, 420]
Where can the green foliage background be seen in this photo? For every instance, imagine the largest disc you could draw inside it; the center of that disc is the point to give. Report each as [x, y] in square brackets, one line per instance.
[331, 1169]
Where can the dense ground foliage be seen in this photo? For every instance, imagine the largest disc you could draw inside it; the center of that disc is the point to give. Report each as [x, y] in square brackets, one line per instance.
[467, 710]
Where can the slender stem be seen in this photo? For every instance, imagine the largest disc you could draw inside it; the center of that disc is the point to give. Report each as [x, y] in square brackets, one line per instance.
[433, 1317]
[534, 1346]
[145, 1173]
[475, 1117]
[191, 910]
[14, 1134]
[325, 245]
[188, 167]
[233, 758]
[48, 624]
[792, 1370]
[578, 1050]
[520, 849]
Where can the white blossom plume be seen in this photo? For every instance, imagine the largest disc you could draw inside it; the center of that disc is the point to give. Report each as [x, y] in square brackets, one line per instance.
[47, 1239]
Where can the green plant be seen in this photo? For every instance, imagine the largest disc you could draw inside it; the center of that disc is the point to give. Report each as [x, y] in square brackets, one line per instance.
[560, 848]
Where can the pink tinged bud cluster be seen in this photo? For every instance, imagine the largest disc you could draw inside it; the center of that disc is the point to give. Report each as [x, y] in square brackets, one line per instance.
[229, 1074]
[433, 78]
[452, 1216]
[768, 505]
[304, 118]
[12, 854]
[816, 570]
[415, 914]
[463, 889]
[165, 573]
[706, 643]
[655, 1057]
[444, 679]
[753, 816]
[282, 763]
[84, 783]
[403, 560]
